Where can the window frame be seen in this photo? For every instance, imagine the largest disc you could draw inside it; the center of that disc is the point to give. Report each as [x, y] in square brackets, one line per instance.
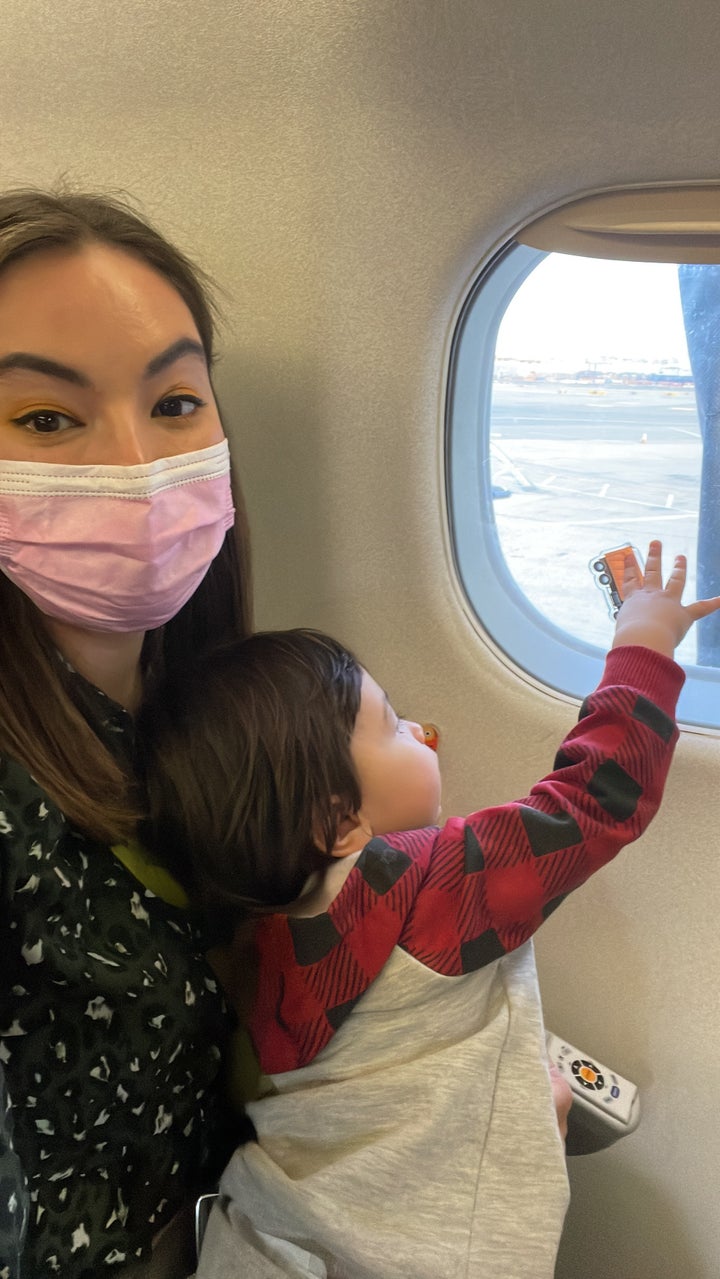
[537, 650]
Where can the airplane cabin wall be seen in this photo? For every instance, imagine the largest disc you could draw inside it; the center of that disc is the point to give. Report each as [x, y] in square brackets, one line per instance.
[341, 167]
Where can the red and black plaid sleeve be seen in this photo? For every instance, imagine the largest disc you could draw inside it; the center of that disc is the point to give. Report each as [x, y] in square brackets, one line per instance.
[460, 897]
[496, 875]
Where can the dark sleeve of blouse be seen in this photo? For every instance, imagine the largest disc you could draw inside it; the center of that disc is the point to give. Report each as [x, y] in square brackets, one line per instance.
[13, 1193]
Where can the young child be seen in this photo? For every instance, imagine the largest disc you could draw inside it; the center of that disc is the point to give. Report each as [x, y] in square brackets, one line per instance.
[405, 1128]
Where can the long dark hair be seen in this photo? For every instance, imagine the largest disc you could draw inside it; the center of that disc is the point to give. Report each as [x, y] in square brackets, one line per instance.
[248, 767]
[40, 724]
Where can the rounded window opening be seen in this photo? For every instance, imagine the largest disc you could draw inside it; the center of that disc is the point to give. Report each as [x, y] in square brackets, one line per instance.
[584, 414]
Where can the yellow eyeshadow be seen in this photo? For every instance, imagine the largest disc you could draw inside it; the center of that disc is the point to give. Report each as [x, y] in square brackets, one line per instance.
[44, 406]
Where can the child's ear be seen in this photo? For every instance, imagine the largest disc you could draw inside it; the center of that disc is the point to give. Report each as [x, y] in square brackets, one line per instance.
[352, 831]
[352, 835]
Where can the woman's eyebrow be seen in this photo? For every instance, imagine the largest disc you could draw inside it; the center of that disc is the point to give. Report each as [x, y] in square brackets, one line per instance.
[183, 346]
[41, 364]
[52, 368]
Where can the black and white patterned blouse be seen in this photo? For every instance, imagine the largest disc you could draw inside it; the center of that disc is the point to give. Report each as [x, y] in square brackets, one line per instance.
[111, 1029]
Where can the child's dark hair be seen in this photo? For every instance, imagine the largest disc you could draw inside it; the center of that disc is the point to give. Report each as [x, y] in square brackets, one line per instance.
[248, 767]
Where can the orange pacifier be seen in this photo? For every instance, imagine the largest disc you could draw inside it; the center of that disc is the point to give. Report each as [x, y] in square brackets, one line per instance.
[432, 735]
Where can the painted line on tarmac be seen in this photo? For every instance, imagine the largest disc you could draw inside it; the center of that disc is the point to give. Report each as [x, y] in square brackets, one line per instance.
[625, 501]
[668, 517]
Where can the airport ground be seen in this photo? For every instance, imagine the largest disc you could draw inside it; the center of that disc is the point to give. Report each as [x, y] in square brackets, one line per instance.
[584, 469]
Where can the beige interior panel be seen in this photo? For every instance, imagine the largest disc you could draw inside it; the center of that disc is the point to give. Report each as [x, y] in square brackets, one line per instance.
[664, 223]
[343, 168]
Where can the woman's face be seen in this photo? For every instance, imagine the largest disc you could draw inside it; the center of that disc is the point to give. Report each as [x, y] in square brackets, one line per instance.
[100, 363]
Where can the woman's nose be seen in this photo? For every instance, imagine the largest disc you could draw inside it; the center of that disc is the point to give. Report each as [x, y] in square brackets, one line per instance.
[121, 441]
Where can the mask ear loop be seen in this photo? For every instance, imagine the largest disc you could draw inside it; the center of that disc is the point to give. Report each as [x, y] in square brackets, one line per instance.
[431, 734]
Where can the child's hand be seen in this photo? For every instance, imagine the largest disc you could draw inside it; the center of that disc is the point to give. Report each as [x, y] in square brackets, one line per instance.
[652, 614]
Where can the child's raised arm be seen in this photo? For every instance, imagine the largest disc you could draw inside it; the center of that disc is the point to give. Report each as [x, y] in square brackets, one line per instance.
[653, 615]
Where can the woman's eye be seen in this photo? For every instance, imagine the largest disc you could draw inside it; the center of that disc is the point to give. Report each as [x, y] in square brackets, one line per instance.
[46, 422]
[178, 406]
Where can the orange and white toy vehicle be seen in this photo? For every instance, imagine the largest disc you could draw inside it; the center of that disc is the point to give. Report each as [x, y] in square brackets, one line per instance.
[608, 569]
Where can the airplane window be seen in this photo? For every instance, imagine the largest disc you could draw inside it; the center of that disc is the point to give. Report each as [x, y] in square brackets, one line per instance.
[584, 414]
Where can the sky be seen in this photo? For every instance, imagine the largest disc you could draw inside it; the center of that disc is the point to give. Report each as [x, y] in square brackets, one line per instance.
[580, 311]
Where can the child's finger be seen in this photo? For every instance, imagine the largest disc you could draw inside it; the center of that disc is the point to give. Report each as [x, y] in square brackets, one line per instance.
[632, 577]
[676, 581]
[703, 608]
[653, 564]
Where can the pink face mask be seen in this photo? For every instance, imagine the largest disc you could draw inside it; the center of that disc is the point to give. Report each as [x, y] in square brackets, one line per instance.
[114, 548]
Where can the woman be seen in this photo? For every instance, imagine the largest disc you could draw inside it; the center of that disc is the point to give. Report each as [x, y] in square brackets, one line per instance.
[118, 556]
